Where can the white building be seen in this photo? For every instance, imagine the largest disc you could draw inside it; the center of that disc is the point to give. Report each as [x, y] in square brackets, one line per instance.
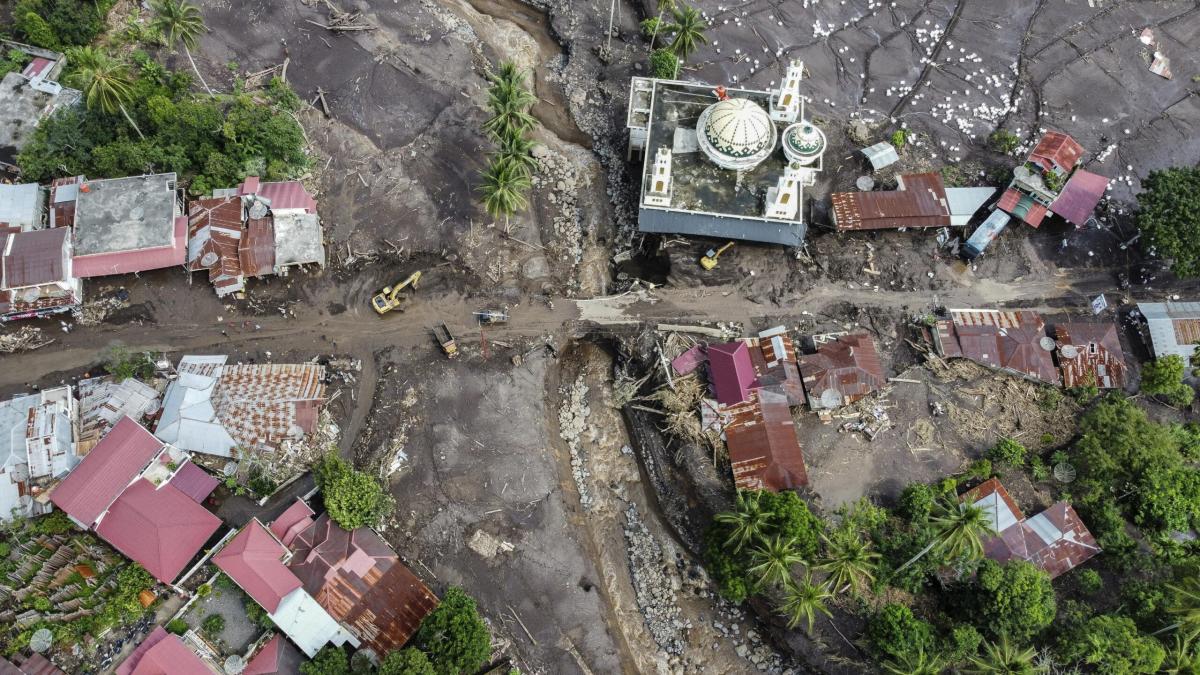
[37, 447]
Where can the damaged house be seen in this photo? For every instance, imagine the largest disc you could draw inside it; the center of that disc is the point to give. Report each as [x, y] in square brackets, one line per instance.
[125, 225]
[1090, 353]
[36, 274]
[37, 447]
[254, 230]
[27, 97]
[1050, 183]
[1055, 540]
[215, 408]
[1013, 341]
[843, 370]
[140, 496]
[920, 200]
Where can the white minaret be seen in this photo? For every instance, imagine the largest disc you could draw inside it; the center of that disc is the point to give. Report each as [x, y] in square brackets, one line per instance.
[658, 192]
[783, 200]
[785, 103]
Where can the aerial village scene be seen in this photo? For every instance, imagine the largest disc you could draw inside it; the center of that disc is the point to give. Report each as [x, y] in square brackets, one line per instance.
[450, 337]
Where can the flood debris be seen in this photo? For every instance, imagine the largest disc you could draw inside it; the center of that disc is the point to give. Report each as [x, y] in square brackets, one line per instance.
[25, 338]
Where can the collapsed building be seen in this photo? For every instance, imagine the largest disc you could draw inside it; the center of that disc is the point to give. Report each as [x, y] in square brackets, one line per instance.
[842, 370]
[37, 448]
[729, 163]
[29, 96]
[920, 200]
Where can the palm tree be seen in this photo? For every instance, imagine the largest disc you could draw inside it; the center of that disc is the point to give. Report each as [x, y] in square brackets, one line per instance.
[848, 560]
[519, 151]
[508, 86]
[104, 80]
[960, 530]
[509, 118]
[773, 560]
[1186, 607]
[802, 601]
[1003, 658]
[916, 663]
[747, 521]
[1182, 658]
[504, 188]
[663, 6]
[689, 31]
[180, 22]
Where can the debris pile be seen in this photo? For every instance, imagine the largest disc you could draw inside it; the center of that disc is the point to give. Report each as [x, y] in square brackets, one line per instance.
[572, 423]
[559, 177]
[95, 312]
[23, 339]
[655, 590]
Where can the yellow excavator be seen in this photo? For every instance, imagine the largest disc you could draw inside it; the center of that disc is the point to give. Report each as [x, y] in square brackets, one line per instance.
[389, 298]
[709, 260]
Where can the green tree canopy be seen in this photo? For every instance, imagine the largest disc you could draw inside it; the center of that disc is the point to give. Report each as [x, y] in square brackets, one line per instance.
[758, 516]
[329, 661]
[895, 632]
[1112, 646]
[1164, 377]
[1013, 600]
[58, 24]
[1169, 217]
[453, 636]
[353, 498]
[407, 661]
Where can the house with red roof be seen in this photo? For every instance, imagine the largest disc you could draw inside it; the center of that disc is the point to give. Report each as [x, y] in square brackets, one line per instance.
[276, 656]
[256, 560]
[843, 370]
[731, 372]
[1049, 183]
[1010, 340]
[1055, 540]
[162, 653]
[125, 490]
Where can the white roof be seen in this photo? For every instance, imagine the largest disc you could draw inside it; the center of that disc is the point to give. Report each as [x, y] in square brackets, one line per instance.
[881, 155]
[997, 510]
[307, 623]
[189, 421]
[47, 450]
[964, 202]
[20, 205]
[1160, 320]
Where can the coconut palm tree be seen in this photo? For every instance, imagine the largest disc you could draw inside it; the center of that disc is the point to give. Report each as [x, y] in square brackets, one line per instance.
[518, 150]
[848, 560]
[773, 560]
[180, 23]
[747, 521]
[1185, 606]
[1003, 658]
[663, 7]
[960, 530]
[1182, 658]
[508, 86]
[916, 663]
[803, 601]
[504, 187]
[105, 82]
[688, 29]
[509, 118]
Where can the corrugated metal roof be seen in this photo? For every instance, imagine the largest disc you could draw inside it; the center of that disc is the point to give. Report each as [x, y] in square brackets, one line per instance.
[214, 235]
[110, 466]
[774, 359]
[257, 248]
[881, 155]
[254, 560]
[33, 258]
[920, 201]
[731, 372]
[689, 361]
[1079, 197]
[1090, 352]
[1011, 340]
[764, 452]
[284, 196]
[1170, 322]
[32, 664]
[21, 205]
[194, 482]
[294, 520]
[359, 580]
[1056, 150]
[163, 654]
[662, 221]
[842, 371]
[276, 657]
[161, 528]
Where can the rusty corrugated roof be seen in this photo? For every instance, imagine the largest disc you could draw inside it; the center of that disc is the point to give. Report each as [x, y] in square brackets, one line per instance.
[920, 202]
[1056, 150]
[1010, 340]
[32, 258]
[845, 369]
[1090, 351]
[764, 452]
[214, 232]
[257, 248]
[361, 582]
[261, 405]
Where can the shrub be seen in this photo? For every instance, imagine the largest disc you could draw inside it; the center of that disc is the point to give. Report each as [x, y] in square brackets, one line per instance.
[964, 642]
[1013, 599]
[1007, 452]
[916, 502]
[1089, 582]
[408, 661]
[894, 631]
[329, 661]
[177, 626]
[1038, 468]
[980, 469]
[1164, 378]
[55, 522]
[123, 364]
[257, 615]
[213, 625]
[454, 636]
[664, 64]
[651, 27]
[353, 498]
[899, 139]
[1003, 141]
[1113, 646]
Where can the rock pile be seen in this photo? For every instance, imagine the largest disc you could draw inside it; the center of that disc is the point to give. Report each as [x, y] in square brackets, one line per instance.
[572, 422]
[654, 587]
[559, 178]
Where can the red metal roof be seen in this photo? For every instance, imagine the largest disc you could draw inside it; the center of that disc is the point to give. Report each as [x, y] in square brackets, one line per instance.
[1079, 197]
[163, 654]
[194, 482]
[1010, 340]
[1056, 150]
[32, 258]
[296, 519]
[161, 528]
[1090, 352]
[731, 372]
[106, 471]
[361, 582]
[848, 366]
[142, 260]
[763, 449]
[36, 66]
[689, 361]
[254, 560]
[33, 664]
[919, 202]
[257, 248]
[284, 195]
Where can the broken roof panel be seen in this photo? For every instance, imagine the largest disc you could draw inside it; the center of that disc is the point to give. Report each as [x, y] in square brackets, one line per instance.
[919, 201]
[254, 560]
[1079, 197]
[764, 452]
[159, 527]
[965, 201]
[359, 580]
[687, 362]
[775, 368]
[86, 493]
[1056, 150]
[731, 372]
[1090, 352]
[841, 371]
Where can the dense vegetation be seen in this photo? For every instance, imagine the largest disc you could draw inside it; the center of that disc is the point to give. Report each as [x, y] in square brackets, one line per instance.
[353, 498]
[507, 177]
[931, 603]
[1169, 217]
[686, 33]
[58, 24]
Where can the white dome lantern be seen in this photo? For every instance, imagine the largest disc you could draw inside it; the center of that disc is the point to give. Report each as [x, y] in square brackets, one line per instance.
[736, 134]
[803, 143]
